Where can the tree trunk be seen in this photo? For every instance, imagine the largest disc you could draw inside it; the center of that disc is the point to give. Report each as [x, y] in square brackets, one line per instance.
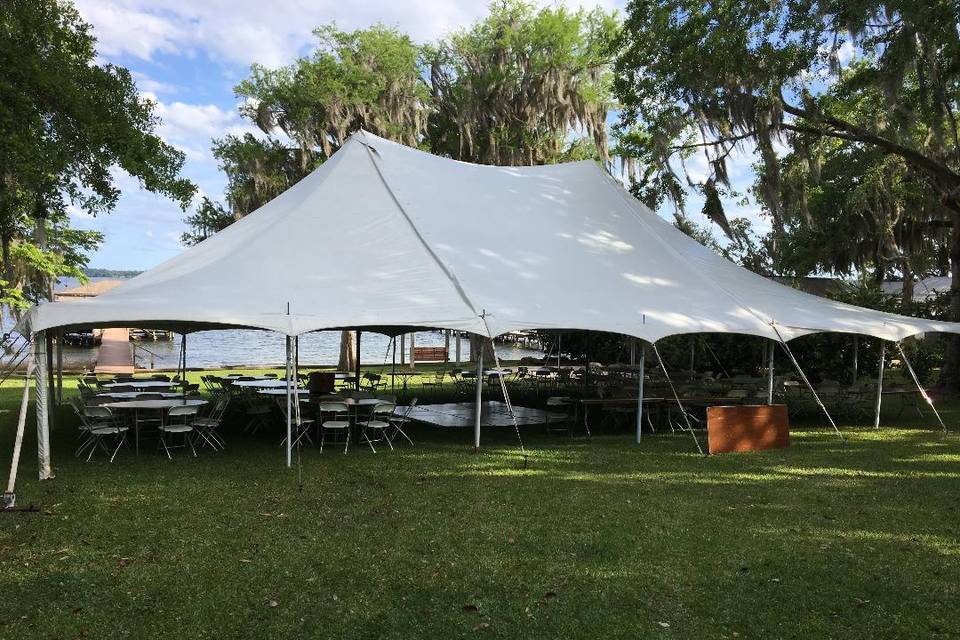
[348, 352]
[951, 368]
[906, 294]
[40, 239]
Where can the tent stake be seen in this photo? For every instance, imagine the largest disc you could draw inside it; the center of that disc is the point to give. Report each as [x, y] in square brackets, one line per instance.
[683, 412]
[883, 355]
[923, 392]
[806, 381]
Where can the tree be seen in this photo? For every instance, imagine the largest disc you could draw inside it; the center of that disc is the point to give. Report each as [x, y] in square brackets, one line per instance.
[67, 122]
[716, 77]
[511, 89]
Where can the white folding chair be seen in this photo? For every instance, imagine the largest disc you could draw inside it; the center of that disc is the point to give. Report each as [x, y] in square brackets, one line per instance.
[399, 420]
[377, 423]
[179, 421]
[334, 417]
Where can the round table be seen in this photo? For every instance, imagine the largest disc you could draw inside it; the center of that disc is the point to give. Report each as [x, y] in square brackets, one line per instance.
[132, 395]
[155, 405]
[283, 392]
[234, 376]
[142, 384]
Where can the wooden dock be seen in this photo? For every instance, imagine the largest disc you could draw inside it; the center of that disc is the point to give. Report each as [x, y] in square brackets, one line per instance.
[115, 355]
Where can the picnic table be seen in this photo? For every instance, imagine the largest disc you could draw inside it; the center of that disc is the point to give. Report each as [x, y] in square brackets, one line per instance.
[141, 384]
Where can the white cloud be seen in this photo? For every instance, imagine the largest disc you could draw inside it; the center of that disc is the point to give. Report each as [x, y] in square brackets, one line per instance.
[245, 31]
[148, 85]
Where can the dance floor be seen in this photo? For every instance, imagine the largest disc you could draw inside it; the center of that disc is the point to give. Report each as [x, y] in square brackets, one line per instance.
[492, 414]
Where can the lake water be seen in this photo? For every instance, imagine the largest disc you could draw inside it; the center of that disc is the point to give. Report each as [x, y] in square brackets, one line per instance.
[226, 348]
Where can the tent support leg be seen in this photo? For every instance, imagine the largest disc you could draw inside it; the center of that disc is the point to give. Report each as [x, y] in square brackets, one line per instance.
[883, 355]
[806, 381]
[923, 392]
[479, 401]
[770, 373]
[683, 411]
[10, 496]
[643, 355]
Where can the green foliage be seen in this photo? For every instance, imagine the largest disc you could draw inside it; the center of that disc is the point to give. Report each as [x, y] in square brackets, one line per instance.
[208, 218]
[715, 77]
[67, 122]
[510, 89]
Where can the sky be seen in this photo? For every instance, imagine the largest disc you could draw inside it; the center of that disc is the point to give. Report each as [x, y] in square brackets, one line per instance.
[187, 55]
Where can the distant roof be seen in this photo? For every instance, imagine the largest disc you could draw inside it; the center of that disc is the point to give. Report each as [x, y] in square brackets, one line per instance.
[89, 290]
[922, 289]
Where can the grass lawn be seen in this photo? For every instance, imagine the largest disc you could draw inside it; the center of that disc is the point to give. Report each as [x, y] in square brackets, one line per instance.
[598, 539]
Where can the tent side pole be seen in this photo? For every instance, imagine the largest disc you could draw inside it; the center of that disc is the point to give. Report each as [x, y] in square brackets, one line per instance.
[289, 391]
[479, 400]
[883, 355]
[42, 405]
[59, 366]
[923, 392]
[770, 373]
[458, 347]
[51, 382]
[413, 349]
[643, 355]
[806, 381]
[683, 411]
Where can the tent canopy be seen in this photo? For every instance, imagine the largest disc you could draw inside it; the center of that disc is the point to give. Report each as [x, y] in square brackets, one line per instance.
[382, 235]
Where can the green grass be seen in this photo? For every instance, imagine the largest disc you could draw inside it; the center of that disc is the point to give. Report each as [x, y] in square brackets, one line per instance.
[597, 539]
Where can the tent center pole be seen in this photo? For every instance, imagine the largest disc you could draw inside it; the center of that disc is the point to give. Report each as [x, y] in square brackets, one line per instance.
[883, 355]
[357, 367]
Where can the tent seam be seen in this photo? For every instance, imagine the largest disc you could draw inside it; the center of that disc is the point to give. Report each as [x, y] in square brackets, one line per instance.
[406, 216]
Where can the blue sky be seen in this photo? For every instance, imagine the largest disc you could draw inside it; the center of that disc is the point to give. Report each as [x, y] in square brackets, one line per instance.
[188, 55]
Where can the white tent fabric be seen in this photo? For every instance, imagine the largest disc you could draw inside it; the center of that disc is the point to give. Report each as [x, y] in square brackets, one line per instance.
[385, 235]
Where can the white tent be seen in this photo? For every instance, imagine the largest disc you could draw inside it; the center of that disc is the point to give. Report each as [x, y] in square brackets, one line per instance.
[383, 235]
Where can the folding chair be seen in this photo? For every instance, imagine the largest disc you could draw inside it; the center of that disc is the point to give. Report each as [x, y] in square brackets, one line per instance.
[100, 425]
[334, 417]
[206, 426]
[178, 422]
[378, 423]
[399, 421]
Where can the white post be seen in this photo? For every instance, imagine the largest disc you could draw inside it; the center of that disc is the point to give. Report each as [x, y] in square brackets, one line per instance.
[643, 354]
[773, 347]
[289, 407]
[476, 425]
[42, 405]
